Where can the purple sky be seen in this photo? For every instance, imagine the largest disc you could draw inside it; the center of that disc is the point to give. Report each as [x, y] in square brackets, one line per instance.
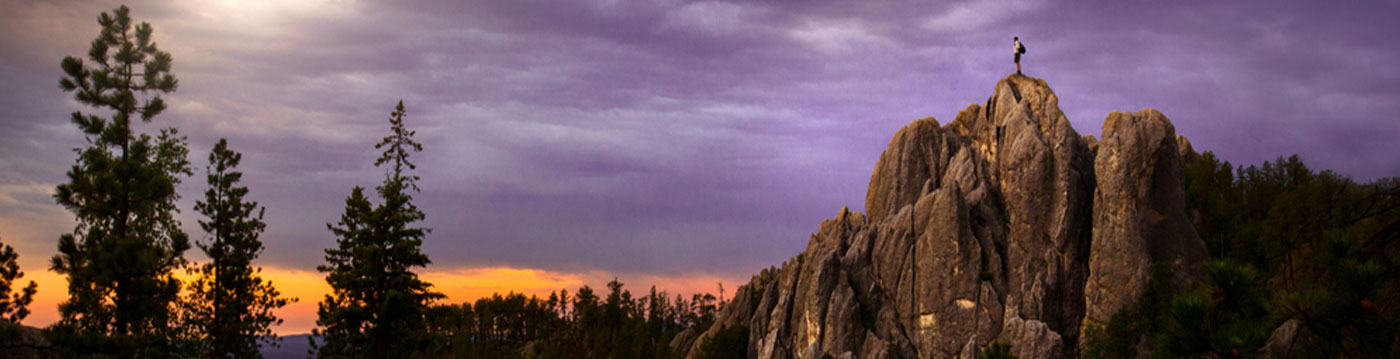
[665, 137]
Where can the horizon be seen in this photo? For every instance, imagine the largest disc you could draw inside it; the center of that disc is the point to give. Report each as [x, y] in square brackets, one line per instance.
[671, 144]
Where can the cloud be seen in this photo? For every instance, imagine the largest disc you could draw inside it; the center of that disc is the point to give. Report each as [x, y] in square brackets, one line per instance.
[839, 37]
[977, 15]
[711, 18]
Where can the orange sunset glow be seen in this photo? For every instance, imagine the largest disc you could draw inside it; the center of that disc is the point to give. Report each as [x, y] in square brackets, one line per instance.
[460, 285]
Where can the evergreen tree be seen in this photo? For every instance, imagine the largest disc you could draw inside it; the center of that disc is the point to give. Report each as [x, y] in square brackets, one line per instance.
[727, 343]
[14, 306]
[1349, 310]
[377, 306]
[1224, 317]
[617, 326]
[1324, 246]
[121, 256]
[229, 309]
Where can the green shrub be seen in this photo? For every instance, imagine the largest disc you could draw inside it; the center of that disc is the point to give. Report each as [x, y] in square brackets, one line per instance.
[997, 350]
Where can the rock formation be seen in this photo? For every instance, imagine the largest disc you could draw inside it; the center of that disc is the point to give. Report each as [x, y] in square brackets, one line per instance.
[1139, 212]
[1001, 225]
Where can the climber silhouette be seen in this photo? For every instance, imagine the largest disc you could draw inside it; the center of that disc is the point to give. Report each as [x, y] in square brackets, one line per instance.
[1017, 49]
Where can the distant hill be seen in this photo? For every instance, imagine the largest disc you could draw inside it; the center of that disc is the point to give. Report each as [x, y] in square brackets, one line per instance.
[292, 347]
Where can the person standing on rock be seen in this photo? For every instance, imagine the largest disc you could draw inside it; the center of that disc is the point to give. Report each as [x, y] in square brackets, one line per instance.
[1017, 49]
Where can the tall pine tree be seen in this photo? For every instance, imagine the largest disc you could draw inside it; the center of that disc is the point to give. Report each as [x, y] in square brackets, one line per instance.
[121, 256]
[377, 305]
[229, 308]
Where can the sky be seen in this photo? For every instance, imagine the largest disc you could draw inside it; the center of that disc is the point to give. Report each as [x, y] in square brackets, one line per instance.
[671, 143]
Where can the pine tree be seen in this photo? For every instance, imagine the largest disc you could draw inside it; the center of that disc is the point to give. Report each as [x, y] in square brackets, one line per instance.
[121, 256]
[229, 308]
[1225, 316]
[377, 305]
[1347, 311]
[14, 306]
[727, 343]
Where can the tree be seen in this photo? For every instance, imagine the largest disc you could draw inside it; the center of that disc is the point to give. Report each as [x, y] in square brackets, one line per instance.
[229, 308]
[1224, 317]
[727, 343]
[377, 305]
[13, 306]
[617, 326]
[1324, 246]
[120, 257]
[1348, 311]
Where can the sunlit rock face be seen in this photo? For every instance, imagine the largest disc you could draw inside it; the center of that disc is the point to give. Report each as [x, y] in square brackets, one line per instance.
[986, 228]
[1139, 211]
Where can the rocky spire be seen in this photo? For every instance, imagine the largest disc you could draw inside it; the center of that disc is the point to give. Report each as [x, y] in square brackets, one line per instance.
[987, 228]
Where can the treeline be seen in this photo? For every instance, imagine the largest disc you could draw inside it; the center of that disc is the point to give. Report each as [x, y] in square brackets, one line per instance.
[613, 324]
[1303, 265]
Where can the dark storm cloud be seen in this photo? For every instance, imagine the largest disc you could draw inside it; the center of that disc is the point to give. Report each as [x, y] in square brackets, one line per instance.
[681, 137]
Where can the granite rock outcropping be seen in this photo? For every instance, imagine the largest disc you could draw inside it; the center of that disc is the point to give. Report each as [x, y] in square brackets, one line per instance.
[1004, 224]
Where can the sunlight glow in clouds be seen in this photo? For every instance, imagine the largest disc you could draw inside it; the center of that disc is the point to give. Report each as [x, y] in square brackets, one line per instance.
[979, 14]
[261, 16]
[840, 37]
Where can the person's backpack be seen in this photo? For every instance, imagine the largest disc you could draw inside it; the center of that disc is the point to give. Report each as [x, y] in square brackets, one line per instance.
[1023, 48]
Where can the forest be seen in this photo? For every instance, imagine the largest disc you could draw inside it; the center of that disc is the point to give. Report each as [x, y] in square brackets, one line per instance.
[613, 324]
[1310, 251]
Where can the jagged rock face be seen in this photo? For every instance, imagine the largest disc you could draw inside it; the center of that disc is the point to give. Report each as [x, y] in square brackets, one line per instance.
[1281, 341]
[979, 230]
[1047, 177]
[1139, 212]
